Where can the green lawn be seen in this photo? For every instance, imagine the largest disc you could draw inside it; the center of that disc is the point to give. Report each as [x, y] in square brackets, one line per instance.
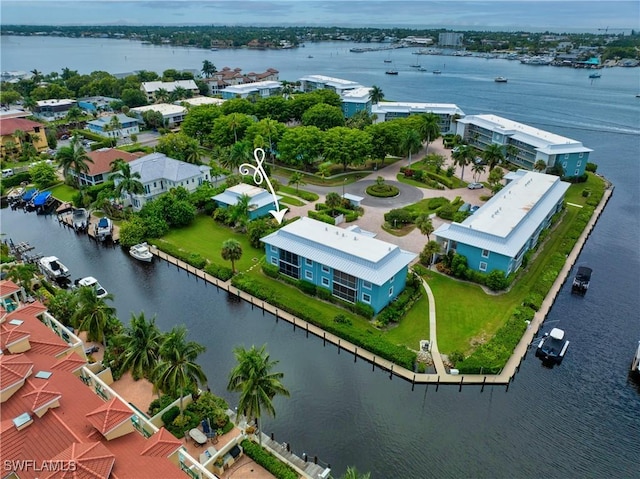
[290, 200]
[414, 326]
[64, 193]
[205, 237]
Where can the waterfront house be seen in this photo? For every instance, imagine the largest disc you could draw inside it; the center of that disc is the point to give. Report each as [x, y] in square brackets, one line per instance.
[311, 83]
[172, 115]
[150, 88]
[199, 101]
[96, 104]
[524, 145]
[499, 233]
[261, 200]
[159, 173]
[100, 169]
[10, 136]
[356, 100]
[53, 109]
[255, 90]
[228, 77]
[354, 266]
[104, 126]
[446, 112]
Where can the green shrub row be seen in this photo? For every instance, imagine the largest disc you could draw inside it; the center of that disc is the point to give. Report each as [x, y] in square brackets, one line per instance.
[193, 259]
[16, 179]
[303, 309]
[401, 305]
[448, 182]
[221, 272]
[307, 195]
[382, 191]
[325, 218]
[267, 460]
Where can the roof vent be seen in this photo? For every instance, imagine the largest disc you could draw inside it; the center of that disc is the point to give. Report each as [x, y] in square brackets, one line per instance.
[16, 322]
[43, 374]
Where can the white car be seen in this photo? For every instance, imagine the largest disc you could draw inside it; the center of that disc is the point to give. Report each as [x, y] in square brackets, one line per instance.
[475, 186]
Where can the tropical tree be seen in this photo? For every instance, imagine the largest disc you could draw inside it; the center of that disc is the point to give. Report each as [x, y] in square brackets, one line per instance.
[540, 166]
[74, 115]
[179, 93]
[428, 127]
[352, 473]
[208, 69]
[512, 153]
[73, 158]
[495, 179]
[297, 179]
[22, 274]
[177, 370]
[462, 157]
[346, 146]
[37, 76]
[254, 379]
[376, 95]
[425, 225]
[493, 155]
[323, 116]
[127, 182]
[115, 125]
[141, 342]
[231, 251]
[161, 95]
[239, 213]
[478, 169]
[430, 249]
[93, 314]
[410, 142]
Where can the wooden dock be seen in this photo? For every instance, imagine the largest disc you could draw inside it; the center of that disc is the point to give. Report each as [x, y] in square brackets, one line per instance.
[67, 220]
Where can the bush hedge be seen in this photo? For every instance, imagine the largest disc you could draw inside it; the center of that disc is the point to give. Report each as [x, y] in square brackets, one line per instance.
[267, 460]
[382, 191]
[221, 272]
[325, 218]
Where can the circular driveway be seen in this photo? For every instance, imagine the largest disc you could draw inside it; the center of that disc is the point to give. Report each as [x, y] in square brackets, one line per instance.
[408, 194]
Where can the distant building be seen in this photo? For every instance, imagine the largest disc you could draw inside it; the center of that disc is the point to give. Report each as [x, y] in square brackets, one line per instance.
[100, 169]
[150, 88]
[262, 89]
[159, 174]
[261, 201]
[53, 109]
[450, 39]
[10, 139]
[104, 126]
[172, 115]
[96, 104]
[228, 77]
[355, 267]
[524, 145]
[199, 101]
[311, 83]
[446, 112]
[356, 100]
[497, 235]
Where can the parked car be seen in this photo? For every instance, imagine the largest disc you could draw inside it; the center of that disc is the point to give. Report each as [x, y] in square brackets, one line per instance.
[475, 186]
[7, 173]
[91, 349]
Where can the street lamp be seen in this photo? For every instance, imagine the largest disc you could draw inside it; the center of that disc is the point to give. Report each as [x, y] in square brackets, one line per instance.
[343, 183]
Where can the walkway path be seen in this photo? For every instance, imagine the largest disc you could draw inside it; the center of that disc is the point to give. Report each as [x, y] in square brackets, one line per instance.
[433, 337]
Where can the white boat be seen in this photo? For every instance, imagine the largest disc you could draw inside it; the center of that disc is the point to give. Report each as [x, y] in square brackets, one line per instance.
[91, 282]
[552, 347]
[141, 252]
[80, 220]
[104, 229]
[15, 194]
[500, 80]
[53, 269]
[635, 364]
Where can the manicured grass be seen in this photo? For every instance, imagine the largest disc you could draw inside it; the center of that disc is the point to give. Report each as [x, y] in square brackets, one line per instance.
[399, 231]
[574, 194]
[64, 193]
[205, 237]
[418, 184]
[289, 200]
[414, 326]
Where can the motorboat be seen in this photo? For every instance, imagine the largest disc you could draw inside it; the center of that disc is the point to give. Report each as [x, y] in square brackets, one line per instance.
[391, 72]
[15, 194]
[53, 269]
[635, 364]
[500, 80]
[141, 252]
[42, 201]
[91, 282]
[552, 347]
[595, 75]
[581, 281]
[104, 229]
[28, 195]
[437, 72]
[80, 219]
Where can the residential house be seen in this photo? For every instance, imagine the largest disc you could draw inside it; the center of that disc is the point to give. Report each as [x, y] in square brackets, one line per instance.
[150, 88]
[96, 104]
[159, 173]
[447, 113]
[10, 141]
[59, 415]
[100, 169]
[356, 100]
[499, 233]
[229, 77]
[311, 83]
[53, 109]
[262, 89]
[524, 145]
[354, 266]
[261, 200]
[199, 101]
[172, 115]
[104, 126]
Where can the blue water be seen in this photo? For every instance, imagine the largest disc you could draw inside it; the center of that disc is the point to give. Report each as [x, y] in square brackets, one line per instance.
[578, 420]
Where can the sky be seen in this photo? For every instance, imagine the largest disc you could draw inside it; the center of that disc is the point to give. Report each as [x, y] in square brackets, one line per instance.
[508, 15]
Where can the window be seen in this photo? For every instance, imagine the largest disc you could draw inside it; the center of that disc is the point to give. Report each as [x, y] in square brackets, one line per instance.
[274, 249]
[392, 278]
[564, 164]
[325, 269]
[566, 157]
[577, 172]
[485, 253]
[366, 298]
[366, 284]
[391, 291]
[344, 286]
[483, 266]
[308, 275]
[154, 185]
[578, 163]
[289, 264]
[580, 155]
[325, 281]
[308, 262]
[274, 260]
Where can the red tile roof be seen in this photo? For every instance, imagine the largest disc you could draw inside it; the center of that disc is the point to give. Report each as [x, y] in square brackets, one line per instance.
[109, 415]
[14, 368]
[69, 363]
[33, 309]
[103, 158]
[10, 334]
[10, 125]
[40, 396]
[91, 461]
[163, 444]
[8, 287]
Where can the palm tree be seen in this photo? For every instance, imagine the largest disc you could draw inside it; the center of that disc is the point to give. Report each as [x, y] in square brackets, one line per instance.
[73, 158]
[37, 76]
[177, 370]
[512, 153]
[254, 379]
[115, 125]
[493, 155]
[179, 93]
[429, 128]
[540, 166]
[141, 343]
[376, 95]
[430, 249]
[161, 95]
[477, 169]
[22, 274]
[425, 225]
[352, 473]
[231, 251]
[287, 90]
[410, 142]
[93, 314]
[239, 153]
[128, 182]
[297, 179]
[74, 115]
[191, 153]
[208, 69]
[462, 157]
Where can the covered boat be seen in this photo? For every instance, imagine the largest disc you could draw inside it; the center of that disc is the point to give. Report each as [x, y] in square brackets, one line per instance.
[104, 229]
[581, 281]
[42, 201]
[80, 219]
[28, 195]
[552, 347]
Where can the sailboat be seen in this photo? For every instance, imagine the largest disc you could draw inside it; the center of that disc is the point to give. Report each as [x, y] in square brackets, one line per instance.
[392, 71]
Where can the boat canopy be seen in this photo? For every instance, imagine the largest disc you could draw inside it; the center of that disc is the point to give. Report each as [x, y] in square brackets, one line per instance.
[557, 333]
[103, 223]
[584, 273]
[29, 194]
[41, 198]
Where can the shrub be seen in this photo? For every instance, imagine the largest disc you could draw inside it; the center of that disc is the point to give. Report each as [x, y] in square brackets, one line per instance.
[169, 416]
[341, 319]
[398, 217]
[271, 270]
[307, 287]
[382, 191]
[323, 293]
[364, 310]
[159, 404]
[437, 202]
[321, 217]
[455, 357]
[221, 272]
[267, 460]
[496, 280]
[592, 167]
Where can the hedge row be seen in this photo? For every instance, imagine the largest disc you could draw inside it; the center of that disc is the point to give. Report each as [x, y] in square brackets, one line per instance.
[303, 309]
[325, 218]
[197, 261]
[267, 460]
